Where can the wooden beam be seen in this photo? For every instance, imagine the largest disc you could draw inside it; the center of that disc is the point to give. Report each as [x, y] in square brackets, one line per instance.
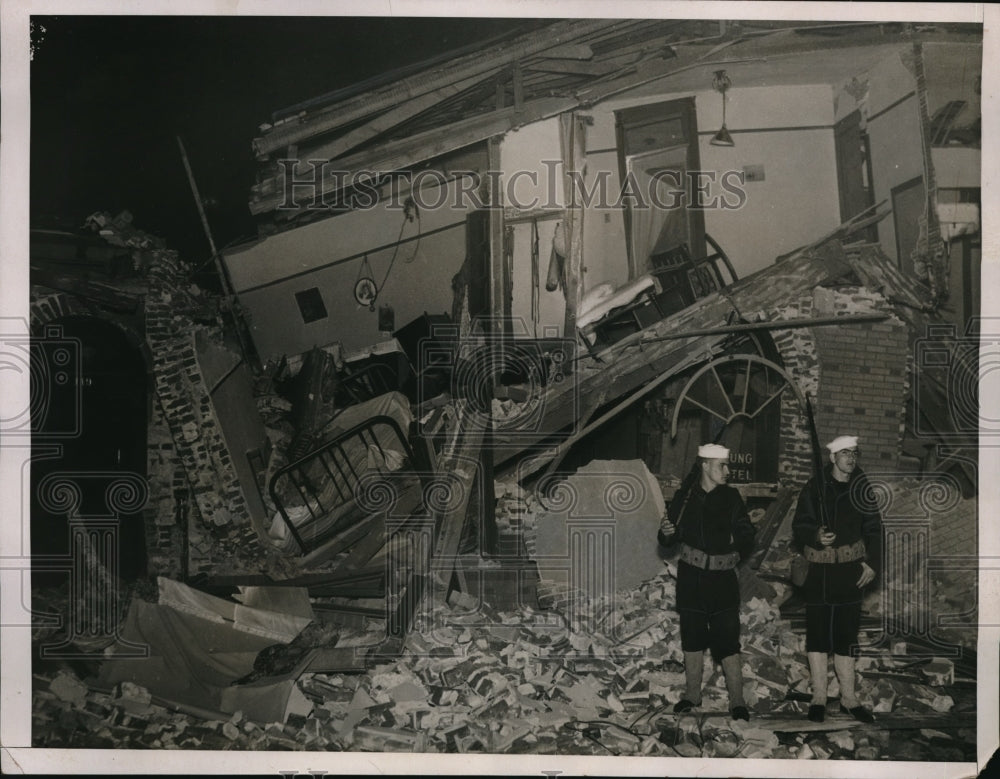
[500, 56]
[461, 459]
[498, 276]
[512, 215]
[570, 51]
[572, 132]
[269, 194]
[517, 79]
[777, 324]
[387, 121]
[572, 68]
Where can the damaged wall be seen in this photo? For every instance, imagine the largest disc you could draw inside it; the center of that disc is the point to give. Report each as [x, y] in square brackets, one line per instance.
[220, 538]
[331, 254]
[166, 513]
[231, 389]
[863, 386]
[786, 129]
[855, 375]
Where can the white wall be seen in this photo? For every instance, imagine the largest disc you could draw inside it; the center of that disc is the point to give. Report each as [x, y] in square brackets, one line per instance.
[792, 139]
[531, 185]
[893, 126]
[788, 130]
[313, 256]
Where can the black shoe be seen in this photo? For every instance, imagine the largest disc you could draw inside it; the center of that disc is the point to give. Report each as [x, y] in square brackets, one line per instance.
[817, 712]
[683, 705]
[741, 712]
[860, 713]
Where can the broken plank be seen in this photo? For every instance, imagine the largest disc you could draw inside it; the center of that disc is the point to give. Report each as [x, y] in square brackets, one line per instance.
[344, 112]
[105, 296]
[575, 68]
[771, 524]
[384, 122]
[569, 51]
[343, 540]
[777, 324]
[269, 194]
[462, 461]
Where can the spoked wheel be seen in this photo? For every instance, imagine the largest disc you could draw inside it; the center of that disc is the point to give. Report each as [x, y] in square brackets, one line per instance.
[734, 386]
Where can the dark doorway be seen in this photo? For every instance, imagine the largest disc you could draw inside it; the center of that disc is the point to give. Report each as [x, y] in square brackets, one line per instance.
[103, 433]
[854, 171]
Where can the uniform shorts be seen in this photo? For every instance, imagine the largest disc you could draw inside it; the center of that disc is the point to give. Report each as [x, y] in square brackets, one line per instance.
[832, 627]
[718, 631]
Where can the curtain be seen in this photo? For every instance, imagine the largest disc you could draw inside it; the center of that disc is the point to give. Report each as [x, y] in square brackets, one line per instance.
[659, 178]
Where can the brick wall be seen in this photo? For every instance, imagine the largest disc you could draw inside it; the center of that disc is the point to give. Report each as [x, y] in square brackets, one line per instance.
[165, 529]
[801, 361]
[47, 306]
[863, 387]
[164, 545]
[220, 538]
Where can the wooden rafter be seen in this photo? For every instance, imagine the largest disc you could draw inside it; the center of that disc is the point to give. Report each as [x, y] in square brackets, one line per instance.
[424, 146]
[387, 121]
[408, 88]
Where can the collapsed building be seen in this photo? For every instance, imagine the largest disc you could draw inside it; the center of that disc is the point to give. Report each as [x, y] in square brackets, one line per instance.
[408, 463]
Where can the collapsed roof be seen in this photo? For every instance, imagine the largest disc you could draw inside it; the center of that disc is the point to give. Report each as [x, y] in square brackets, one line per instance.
[395, 120]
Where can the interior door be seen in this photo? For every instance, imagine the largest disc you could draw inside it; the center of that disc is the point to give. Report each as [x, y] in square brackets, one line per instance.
[658, 147]
[854, 170]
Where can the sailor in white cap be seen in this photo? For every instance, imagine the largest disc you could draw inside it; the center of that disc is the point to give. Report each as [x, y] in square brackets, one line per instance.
[839, 530]
[715, 533]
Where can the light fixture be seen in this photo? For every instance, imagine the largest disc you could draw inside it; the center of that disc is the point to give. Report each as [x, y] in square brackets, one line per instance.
[721, 83]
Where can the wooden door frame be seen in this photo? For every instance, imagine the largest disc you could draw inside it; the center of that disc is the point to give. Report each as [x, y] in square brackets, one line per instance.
[685, 108]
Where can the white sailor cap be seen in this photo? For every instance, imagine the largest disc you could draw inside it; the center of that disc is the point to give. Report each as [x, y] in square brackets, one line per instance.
[713, 452]
[842, 442]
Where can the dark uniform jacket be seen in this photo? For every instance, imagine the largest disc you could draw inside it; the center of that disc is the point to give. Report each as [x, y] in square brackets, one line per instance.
[716, 523]
[853, 516]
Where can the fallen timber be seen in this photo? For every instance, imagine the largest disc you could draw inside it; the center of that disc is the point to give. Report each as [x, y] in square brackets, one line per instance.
[666, 349]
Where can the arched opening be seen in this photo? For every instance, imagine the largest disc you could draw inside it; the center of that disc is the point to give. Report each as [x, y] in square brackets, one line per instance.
[89, 416]
[734, 400]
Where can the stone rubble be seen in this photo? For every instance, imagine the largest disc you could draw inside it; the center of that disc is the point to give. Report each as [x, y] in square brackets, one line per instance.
[573, 678]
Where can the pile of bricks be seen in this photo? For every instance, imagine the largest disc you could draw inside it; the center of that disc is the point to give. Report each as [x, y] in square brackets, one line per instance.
[539, 682]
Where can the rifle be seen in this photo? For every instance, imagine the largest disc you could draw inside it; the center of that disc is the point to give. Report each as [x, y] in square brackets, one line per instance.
[666, 536]
[818, 465]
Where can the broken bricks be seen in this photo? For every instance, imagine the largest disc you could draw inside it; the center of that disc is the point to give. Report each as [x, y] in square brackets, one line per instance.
[456, 691]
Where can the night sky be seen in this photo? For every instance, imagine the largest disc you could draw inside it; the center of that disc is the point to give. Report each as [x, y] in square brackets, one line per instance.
[110, 95]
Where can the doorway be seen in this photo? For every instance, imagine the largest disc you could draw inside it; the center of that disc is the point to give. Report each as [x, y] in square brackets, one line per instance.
[658, 152]
[107, 415]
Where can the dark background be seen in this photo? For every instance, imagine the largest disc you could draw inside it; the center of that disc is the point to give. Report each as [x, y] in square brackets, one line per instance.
[110, 95]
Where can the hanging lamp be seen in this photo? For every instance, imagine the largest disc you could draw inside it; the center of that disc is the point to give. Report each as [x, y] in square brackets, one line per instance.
[721, 83]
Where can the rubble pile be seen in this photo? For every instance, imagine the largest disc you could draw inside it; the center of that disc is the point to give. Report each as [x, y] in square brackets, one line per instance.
[577, 678]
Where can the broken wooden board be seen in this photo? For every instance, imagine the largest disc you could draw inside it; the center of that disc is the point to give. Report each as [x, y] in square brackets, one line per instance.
[644, 356]
[461, 461]
[783, 723]
[368, 103]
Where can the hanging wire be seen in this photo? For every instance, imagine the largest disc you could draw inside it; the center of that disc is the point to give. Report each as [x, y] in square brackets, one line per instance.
[410, 211]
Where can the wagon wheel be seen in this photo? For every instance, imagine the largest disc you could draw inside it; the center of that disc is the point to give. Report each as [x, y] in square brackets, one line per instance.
[742, 392]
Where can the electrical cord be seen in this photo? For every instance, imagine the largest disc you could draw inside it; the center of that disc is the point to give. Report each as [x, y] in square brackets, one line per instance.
[410, 212]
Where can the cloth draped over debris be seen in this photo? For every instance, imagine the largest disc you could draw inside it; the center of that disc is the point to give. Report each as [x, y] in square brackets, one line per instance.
[199, 644]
